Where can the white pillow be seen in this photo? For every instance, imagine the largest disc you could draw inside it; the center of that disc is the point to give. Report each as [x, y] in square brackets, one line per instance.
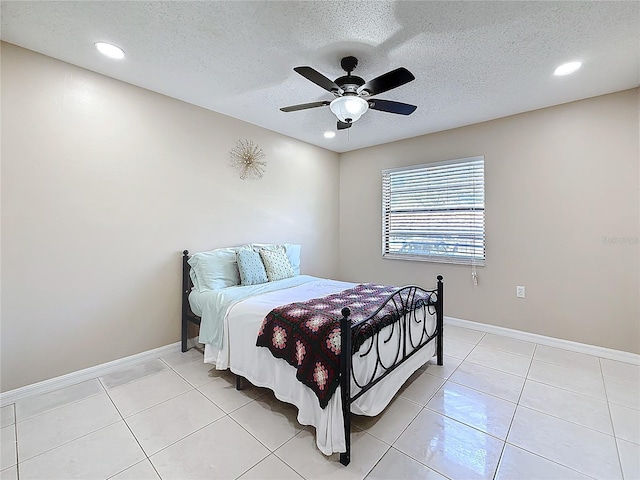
[215, 269]
[292, 250]
[194, 279]
[252, 271]
[276, 263]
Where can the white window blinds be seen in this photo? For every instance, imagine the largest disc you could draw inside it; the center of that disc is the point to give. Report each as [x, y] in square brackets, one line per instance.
[435, 212]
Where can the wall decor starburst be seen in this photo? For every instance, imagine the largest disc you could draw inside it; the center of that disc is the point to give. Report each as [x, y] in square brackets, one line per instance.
[248, 158]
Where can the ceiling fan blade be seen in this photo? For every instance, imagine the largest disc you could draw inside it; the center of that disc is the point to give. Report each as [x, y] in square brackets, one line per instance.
[392, 107]
[317, 78]
[304, 106]
[343, 125]
[388, 81]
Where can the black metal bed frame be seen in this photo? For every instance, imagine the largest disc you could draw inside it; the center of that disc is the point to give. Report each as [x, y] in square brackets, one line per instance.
[407, 306]
[187, 315]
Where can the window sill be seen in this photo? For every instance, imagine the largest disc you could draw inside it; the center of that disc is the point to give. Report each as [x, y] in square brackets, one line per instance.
[425, 258]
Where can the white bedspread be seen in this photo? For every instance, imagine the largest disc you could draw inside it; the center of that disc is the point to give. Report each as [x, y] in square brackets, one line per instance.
[212, 305]
[240, 354]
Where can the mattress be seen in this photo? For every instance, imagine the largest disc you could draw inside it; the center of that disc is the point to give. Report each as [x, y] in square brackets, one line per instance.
[238, 352]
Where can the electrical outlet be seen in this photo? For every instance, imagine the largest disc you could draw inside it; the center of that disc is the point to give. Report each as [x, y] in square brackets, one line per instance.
[520, 291]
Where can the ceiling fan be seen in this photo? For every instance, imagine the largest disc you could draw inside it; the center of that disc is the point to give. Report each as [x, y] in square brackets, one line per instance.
[352, 93]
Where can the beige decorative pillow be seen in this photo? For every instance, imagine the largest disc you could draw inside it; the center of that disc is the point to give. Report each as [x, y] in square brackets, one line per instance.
[276, 263]
[291, 249]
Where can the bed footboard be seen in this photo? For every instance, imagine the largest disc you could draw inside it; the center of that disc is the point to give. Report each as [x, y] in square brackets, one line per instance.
[409, 306]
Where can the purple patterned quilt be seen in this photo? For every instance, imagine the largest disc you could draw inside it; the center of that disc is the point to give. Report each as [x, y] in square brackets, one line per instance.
[307, 334]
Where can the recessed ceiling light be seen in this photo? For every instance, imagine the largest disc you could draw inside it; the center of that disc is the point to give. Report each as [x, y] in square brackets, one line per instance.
[329, 134]
[567, 68]
[109, 50]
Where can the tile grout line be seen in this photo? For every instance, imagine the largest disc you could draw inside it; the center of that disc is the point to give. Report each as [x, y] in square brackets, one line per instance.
[505, 350]
[404, 430]
[518, 405]
[160, 403]
[283, 460]
[415, 460]
[481, 391]
[131, 466]
[69, 441]
[129, 428]
[147, 457]
[421, 463]
[15, 432]
[49, 411]
[504, 442]
[421, 410]
[144, 377]
[501, 457]
[256, 438]
[526, 377]
[198, 429]
[60, 406]
[563, 388]
[122, 418]
[567, 390]
[466, 424]
[179, 440]
[155, 404]
[552, 461]
[568, 421]
[389, 447]
[613, 427]
[506, 437]
[536, 454]
[130, 431]
[497, 369]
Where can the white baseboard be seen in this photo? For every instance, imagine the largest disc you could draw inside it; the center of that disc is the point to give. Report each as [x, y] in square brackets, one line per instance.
[72, 378]
[602, 352]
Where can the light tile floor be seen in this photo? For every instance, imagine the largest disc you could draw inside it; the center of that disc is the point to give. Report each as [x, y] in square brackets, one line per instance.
[499, 409]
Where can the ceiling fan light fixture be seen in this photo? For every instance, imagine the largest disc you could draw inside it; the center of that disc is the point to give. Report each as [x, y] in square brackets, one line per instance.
[349, 108]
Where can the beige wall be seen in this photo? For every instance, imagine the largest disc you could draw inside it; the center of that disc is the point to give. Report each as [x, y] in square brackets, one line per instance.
[562, 219]
[103, 185]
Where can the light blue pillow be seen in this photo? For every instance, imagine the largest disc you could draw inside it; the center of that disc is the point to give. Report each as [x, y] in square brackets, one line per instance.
[251, 268]
[215, 269]
[293, 254]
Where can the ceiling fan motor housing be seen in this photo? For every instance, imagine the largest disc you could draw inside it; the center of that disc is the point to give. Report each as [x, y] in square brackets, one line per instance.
[349, 64]
[349, 83]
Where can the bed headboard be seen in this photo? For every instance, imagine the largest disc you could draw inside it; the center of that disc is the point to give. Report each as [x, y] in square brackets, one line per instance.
[186, 270]
[187, 314]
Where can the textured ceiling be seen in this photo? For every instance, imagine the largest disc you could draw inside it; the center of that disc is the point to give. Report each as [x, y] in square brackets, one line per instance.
[473, 61]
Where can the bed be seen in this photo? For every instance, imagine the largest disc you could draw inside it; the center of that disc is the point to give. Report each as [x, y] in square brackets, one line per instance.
[386, 338]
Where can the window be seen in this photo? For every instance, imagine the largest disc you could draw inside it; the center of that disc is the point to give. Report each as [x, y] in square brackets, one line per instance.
[435, 212]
